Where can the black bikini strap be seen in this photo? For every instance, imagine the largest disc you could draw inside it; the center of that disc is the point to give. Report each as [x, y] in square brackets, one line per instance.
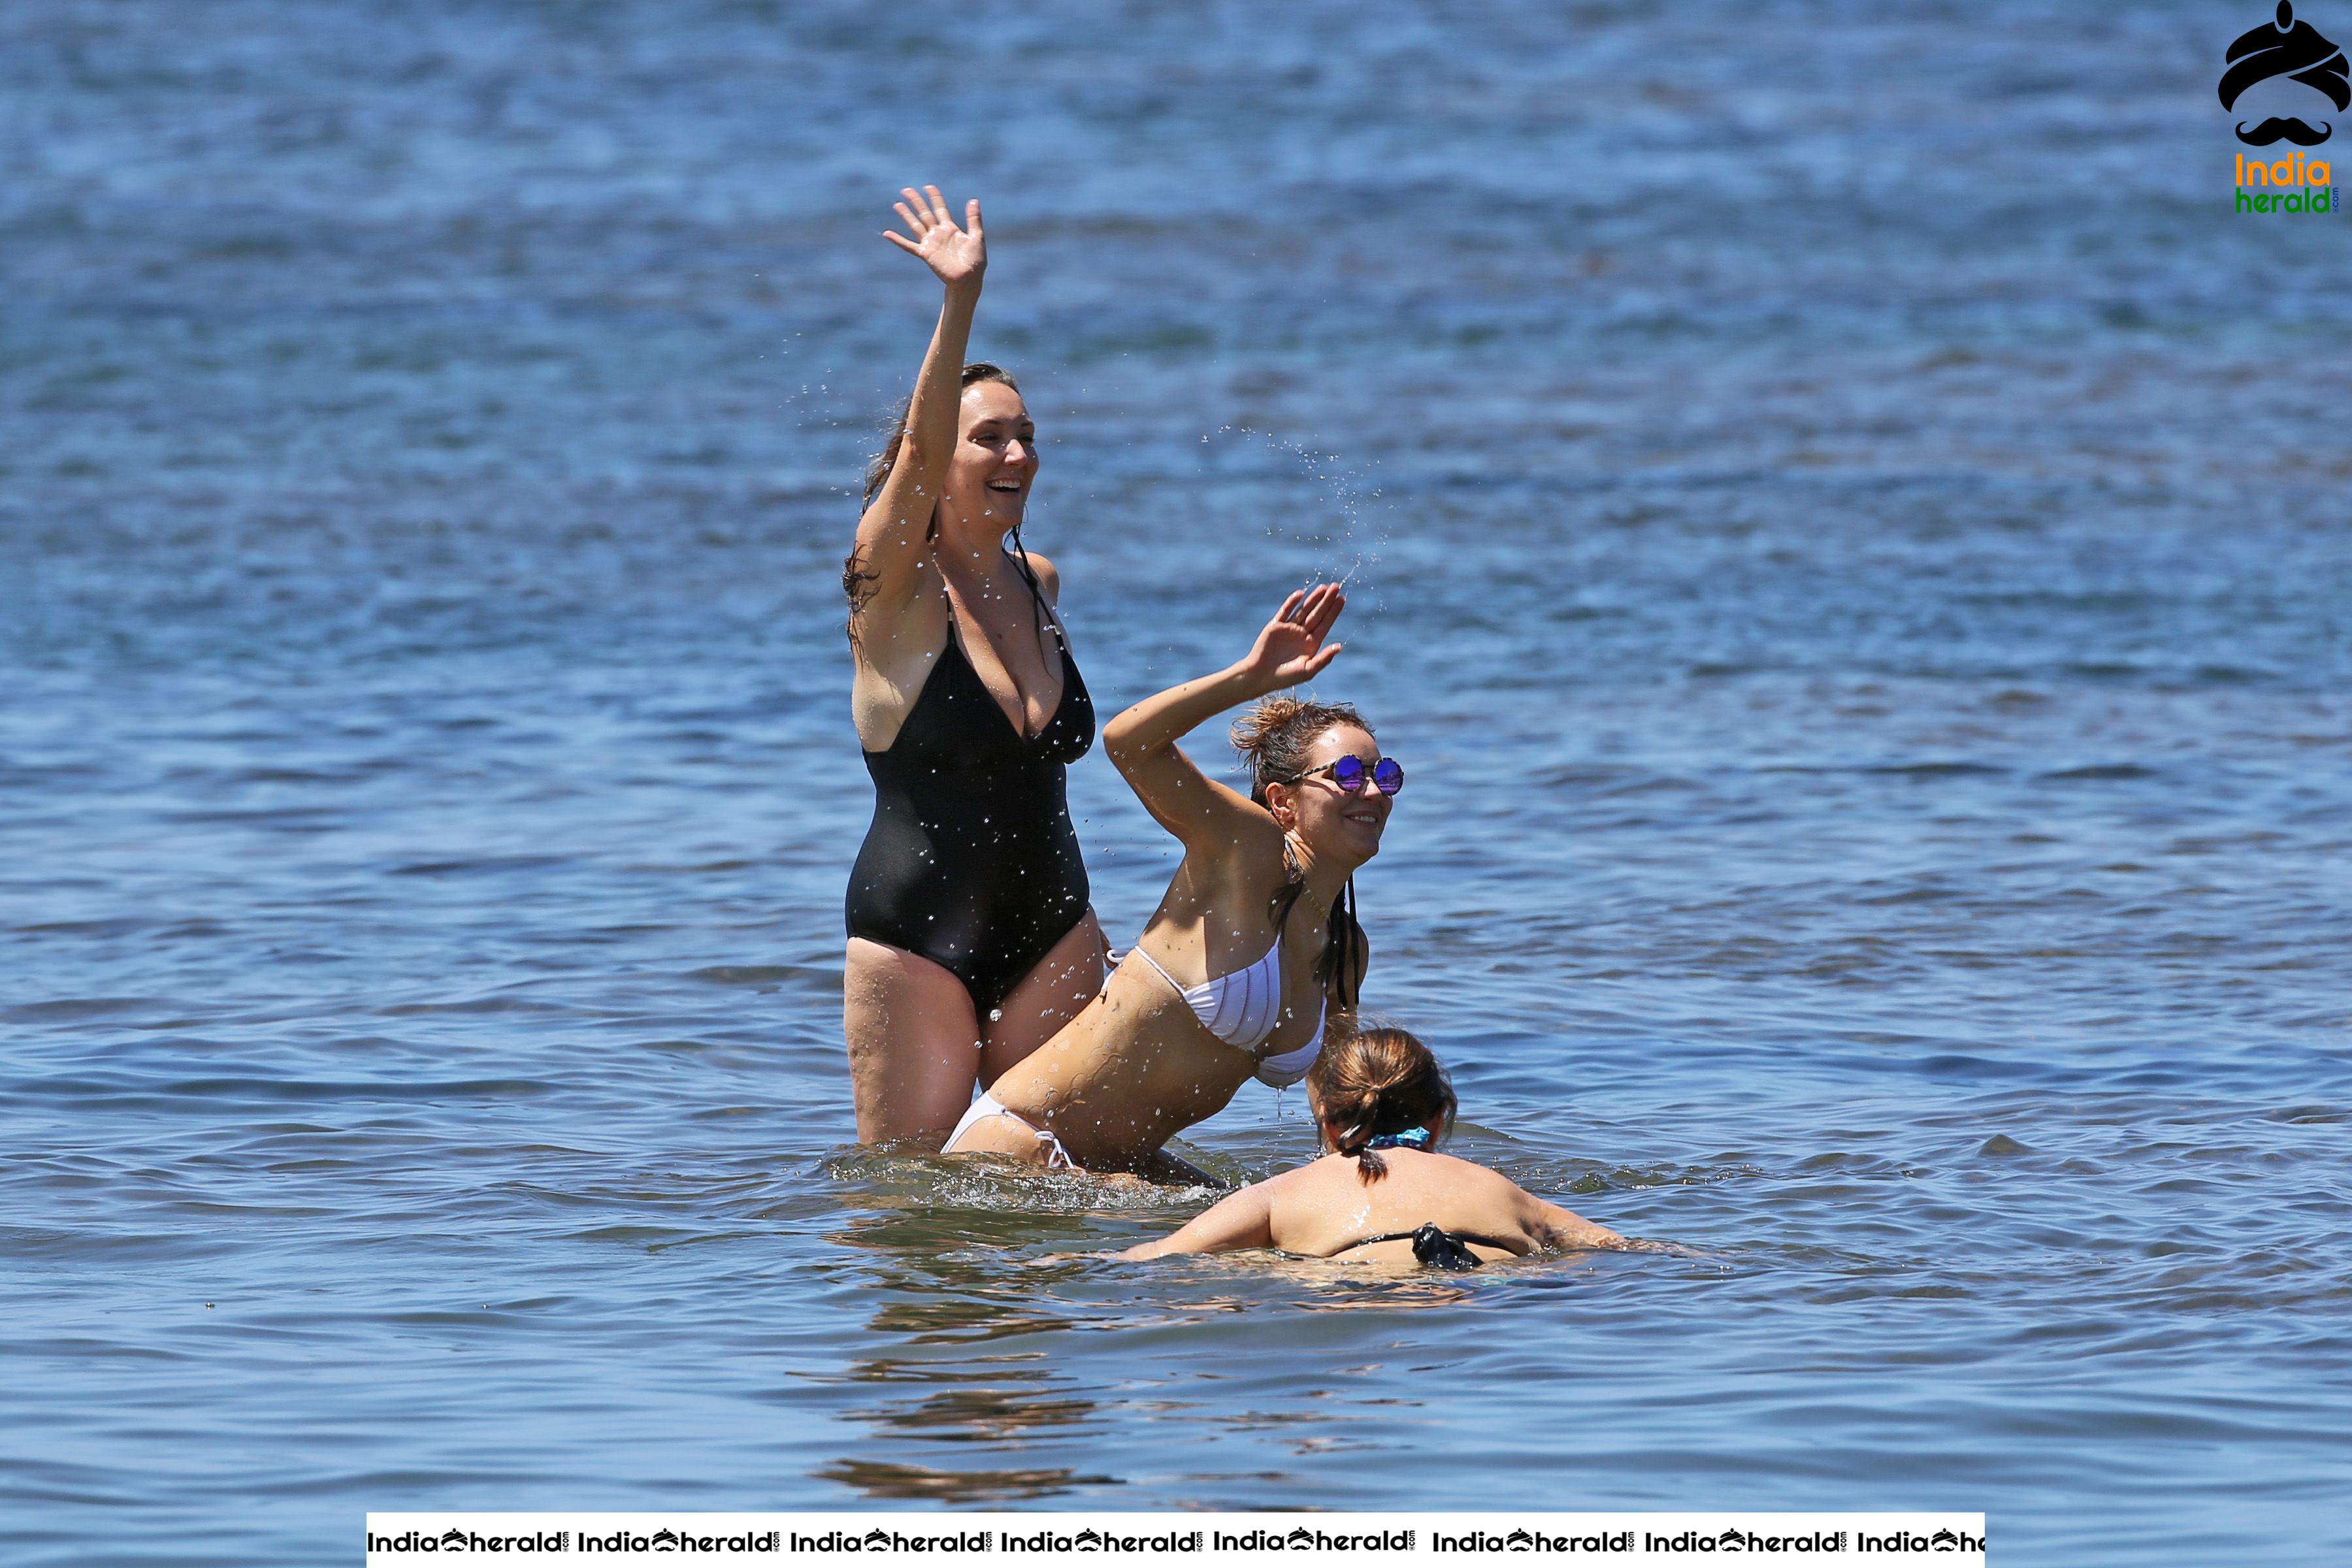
[1441, 1249]
[1044, 611]
[1436, 1246]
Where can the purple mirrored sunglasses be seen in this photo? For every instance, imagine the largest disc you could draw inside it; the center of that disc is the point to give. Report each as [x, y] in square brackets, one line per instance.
[1350, 772]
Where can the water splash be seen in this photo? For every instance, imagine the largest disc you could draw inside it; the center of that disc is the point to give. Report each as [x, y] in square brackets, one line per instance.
[1345, 535]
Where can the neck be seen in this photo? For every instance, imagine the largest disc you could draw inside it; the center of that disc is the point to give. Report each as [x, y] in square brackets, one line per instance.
[1325, 879]
[968, 556]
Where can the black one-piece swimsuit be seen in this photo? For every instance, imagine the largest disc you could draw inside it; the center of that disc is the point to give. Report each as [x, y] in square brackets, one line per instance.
[971, 860]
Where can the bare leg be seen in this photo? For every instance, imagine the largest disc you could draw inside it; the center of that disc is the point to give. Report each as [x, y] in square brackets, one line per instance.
[913, 1044]
[1048, 996]
[1006, 1135]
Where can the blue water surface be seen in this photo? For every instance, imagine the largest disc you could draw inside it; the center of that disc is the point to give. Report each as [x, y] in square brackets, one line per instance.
[1847, 528]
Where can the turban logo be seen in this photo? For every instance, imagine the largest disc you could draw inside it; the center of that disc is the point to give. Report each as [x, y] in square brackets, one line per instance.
[2292, 49]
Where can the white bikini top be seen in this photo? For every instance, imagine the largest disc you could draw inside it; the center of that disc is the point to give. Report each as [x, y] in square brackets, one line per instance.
[1243, 1008]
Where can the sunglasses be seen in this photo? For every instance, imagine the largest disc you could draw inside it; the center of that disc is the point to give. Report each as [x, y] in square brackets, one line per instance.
[1350, 772]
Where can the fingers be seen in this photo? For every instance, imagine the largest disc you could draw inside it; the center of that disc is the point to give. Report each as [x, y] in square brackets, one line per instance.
[923, 214]
[902, 242]
[1290, 606]
[1298, 671]
[1315, 608]
[1327, 613]
[925, 210]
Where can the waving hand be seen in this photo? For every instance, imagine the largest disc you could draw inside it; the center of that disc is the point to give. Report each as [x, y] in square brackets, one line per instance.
[1290, 649]
[956, 255]
[1208, 818]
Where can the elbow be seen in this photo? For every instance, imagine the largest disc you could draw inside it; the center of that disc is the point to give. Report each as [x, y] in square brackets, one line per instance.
[1124, 742]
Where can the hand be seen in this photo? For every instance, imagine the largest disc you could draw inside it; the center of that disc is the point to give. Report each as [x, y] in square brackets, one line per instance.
[1290, 649]
[959, 256]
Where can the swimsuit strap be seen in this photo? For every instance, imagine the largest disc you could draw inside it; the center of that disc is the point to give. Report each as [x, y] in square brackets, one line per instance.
[1442, 1249]
[1436, 1246]
[1020, 554]
[1138, 951]
[1053, 620]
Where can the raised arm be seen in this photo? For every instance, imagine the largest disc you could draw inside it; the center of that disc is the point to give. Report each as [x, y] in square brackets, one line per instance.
[894, 535]
[1243, 1219]
[1141, 742]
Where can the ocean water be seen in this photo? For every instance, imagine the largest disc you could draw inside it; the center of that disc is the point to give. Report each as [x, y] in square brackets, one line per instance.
[1848, 532]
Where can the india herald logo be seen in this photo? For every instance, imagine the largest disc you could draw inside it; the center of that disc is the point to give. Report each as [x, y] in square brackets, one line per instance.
[2296, 50]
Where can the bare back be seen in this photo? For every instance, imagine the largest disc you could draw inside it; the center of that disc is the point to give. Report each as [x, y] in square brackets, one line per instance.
[1327, 1207]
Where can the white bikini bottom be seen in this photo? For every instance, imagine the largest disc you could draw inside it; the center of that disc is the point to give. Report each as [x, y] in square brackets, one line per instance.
[1056, 1157]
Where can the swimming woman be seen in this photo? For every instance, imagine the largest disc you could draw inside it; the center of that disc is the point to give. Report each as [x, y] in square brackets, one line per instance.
[1255, 951]
[971, 938]
[1382, 1193]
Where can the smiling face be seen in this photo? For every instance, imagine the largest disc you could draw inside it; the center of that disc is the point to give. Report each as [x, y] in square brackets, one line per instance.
[1341, 827]
[995, 457]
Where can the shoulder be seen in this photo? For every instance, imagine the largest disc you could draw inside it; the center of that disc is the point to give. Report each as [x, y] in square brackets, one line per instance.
[1300, 1181]
[1286, 1181]
[1469, 1175]
[1455, 1168]
[1049, 578]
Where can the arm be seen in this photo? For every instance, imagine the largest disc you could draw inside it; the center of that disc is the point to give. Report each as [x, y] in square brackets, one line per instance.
[894, 536]
[1244, 1219]
[1141, 742]
[1560, 1228]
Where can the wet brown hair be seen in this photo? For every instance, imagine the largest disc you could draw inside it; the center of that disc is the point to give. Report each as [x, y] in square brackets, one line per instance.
[1273, 737]
[1376, 1081]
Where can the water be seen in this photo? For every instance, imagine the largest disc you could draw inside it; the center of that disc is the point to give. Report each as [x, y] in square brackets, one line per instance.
[1848, 535]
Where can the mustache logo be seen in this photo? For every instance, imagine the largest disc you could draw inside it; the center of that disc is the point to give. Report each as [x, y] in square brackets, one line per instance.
[2299, 52]
[2287, 129]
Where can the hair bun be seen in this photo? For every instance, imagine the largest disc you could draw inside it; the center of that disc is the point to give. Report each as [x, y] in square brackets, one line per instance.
[1257, 727]
[1276, 731]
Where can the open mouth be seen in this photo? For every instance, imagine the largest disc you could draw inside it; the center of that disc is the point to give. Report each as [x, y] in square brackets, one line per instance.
[1005, 487]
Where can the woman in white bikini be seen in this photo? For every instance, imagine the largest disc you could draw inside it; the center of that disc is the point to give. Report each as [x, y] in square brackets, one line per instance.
[1380, 1091]
[1253, 953]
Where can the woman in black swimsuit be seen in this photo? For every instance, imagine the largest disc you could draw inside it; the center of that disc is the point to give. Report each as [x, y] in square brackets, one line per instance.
[1382, 1193]
[970, 938]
